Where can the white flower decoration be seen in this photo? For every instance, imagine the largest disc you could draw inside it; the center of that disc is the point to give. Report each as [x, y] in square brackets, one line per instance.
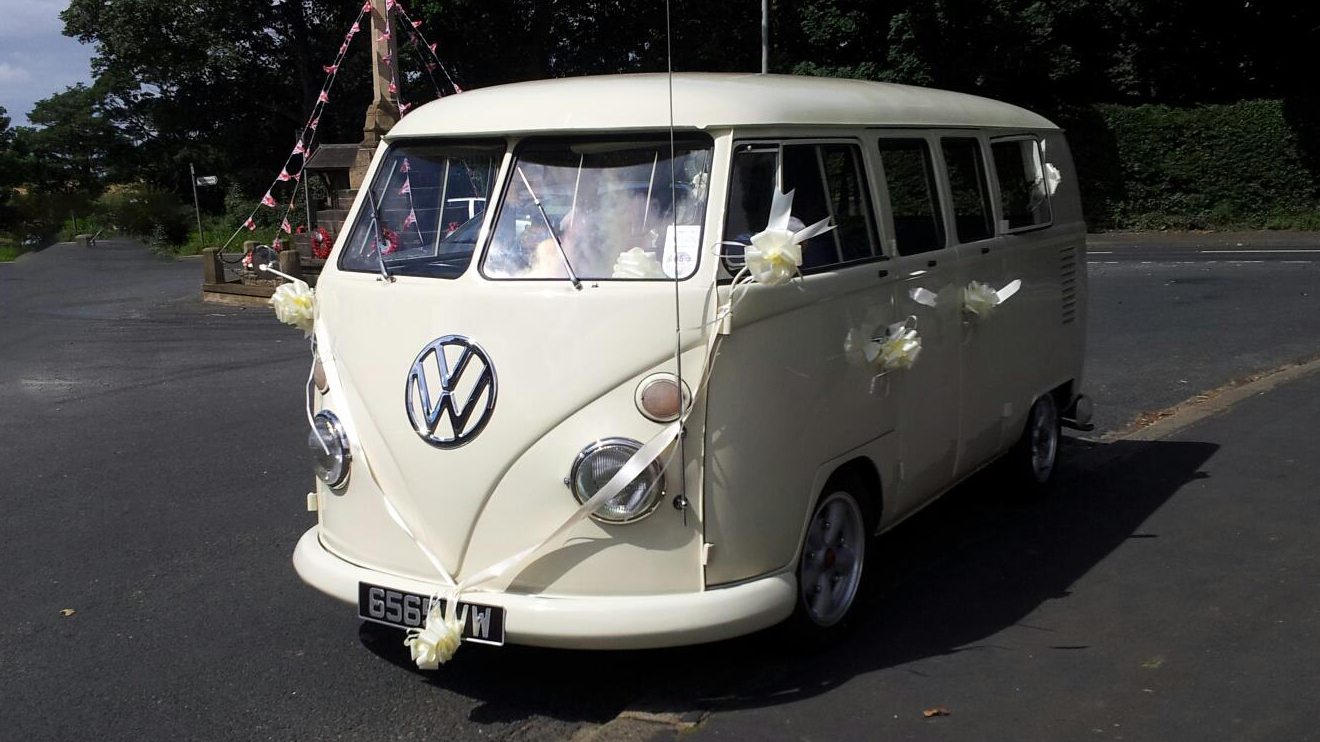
[637, 263]
[295, 304]
[901, 347]
[979, 301]
[775, 254]
[1052, 178]
[437, 641]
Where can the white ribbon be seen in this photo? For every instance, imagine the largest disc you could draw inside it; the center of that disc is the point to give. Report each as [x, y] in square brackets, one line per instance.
[775, 254]
[436, 642]
[979, 301]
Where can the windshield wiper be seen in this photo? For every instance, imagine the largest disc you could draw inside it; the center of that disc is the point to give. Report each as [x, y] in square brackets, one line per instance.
[567, 265]
[375, 223]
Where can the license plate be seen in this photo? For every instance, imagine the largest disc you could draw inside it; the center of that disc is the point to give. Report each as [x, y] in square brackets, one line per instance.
[484, 623]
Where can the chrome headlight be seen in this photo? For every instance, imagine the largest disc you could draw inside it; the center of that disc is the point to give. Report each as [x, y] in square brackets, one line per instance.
[598, 463]
[329, 448]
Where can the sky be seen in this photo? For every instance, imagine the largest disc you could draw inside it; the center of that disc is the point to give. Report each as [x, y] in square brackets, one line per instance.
[36, 61]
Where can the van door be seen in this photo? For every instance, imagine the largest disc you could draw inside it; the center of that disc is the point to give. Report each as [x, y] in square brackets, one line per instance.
[986, 368]
[928, 272]
[786, 393]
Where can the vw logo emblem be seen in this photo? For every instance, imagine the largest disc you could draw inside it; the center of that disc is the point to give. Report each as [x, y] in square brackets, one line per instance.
[450, 392]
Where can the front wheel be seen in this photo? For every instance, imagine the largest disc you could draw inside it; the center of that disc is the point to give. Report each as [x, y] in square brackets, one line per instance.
[833, 560]
[1032, 461]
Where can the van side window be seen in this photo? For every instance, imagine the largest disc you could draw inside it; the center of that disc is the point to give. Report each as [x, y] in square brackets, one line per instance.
[827, 180]
[803, 176]
[910, 177]
[850, 199]
[969, 189]
[1022, 192]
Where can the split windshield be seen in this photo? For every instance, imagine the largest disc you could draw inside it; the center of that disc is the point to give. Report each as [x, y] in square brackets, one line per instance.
[605, 209]
[430, 199]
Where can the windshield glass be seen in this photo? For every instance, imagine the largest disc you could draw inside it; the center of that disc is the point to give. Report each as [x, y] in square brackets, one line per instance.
[430, 199]
[608, 210]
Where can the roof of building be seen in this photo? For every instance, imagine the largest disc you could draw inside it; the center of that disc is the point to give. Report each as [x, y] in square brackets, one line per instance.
[703, 100]
[333, 157]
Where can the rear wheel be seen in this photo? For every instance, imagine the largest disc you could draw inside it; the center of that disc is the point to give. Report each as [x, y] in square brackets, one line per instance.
[833, 561]
[1032, 461]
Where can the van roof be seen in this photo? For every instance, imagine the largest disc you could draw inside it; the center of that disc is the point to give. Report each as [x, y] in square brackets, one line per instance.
[703, 100]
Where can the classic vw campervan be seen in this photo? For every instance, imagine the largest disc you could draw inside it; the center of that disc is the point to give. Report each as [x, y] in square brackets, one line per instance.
[606, 363]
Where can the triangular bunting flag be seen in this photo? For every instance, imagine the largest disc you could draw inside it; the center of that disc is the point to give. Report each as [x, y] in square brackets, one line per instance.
[299, 149]
[324, 97]
[403, 108]
[389, 5]
[431, 47]
[457, 89]
[405, 167]
[284, 175]
[284, 225]
[416, 24]
[330, 68]
[393, 88]
[410, 220]
[366, 7]
[251, 225]
[406, 188]
[384, 36]
[386, 58]
[314, 123]
[268, 200]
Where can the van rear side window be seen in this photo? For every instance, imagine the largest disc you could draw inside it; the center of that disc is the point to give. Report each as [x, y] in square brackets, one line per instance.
[910, 176]
[969, 189]
[1022, 192]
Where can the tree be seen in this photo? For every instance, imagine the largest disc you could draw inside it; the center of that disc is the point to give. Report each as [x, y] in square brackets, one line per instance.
[74, 146]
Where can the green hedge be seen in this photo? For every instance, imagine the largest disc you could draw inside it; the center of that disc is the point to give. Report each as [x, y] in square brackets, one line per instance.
[1249, 164]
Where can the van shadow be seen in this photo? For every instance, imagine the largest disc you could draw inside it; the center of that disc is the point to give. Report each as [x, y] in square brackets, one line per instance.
[967, 567]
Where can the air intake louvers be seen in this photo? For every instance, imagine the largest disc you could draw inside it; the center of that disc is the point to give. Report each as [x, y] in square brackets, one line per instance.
[1068, 282]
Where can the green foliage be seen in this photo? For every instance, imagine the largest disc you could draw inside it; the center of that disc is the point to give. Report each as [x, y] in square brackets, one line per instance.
[1156, 167]
[75, 146]
[145, 212]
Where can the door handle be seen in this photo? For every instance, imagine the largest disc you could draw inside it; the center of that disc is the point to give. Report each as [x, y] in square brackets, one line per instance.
[883, 273]
[985, 251]
[931, 263]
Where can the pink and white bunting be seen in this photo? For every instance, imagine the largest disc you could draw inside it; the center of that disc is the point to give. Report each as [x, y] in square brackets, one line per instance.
[306, 139]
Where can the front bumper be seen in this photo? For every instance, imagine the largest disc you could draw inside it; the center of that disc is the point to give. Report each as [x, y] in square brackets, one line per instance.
[622, 622]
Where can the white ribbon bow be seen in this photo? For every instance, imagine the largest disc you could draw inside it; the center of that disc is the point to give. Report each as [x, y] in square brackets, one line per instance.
[294, 302]
[979, 301]
[637, 263]
[775, 254]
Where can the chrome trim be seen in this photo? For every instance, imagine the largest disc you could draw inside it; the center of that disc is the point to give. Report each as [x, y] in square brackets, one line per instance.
[654, 469]
[431, 415]
[346, 453]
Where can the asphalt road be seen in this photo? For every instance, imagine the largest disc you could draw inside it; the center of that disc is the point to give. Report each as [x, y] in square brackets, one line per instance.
[152, 476]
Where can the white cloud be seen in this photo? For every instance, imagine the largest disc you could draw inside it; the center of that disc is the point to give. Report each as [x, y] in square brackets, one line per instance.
[13, 75]
[36, 59]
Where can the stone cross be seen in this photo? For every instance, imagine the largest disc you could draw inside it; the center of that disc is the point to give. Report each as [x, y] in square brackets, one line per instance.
[383, 112]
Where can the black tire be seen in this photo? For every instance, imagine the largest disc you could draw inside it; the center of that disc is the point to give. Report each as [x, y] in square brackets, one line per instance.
[832, 568]
[1033, 460]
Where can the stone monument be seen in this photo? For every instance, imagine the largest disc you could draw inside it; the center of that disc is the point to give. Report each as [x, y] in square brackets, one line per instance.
[383, 113]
